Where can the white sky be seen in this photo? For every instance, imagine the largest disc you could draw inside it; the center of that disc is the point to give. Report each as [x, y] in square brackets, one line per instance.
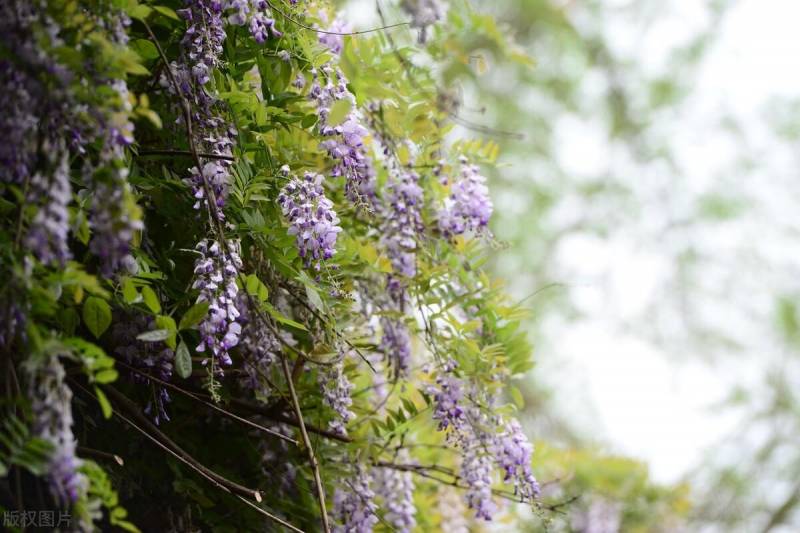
[645, 399]
[649, 400]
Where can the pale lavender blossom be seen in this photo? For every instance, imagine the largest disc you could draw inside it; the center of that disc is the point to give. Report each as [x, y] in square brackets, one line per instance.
[18, 123]
[49, 189]
[344, 141]
[469, 207]
[216, 270]
[513, 452]
[334, 41]
[396, 345]
[424, 13]
[51, 407]
[476, 472]
[255, 14]
[336, 390]
[402, 220]
[448, 398]
[114, 217]
[396, 489]
[353, 504]
[311, 217]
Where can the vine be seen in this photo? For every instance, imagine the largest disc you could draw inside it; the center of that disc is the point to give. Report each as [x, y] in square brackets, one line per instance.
[237, 241]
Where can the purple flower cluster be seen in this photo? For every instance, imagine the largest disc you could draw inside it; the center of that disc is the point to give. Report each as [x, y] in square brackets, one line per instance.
[396, 488]
[448, 395]
[513, 452]
[155, 358]
[114, 217]
[311, 218]
[256, 15]
[202, 42]
[336, 390]
[353, 505]
[51, 406]
[476, 471]
[402, 220]
[202, 49]
[46, 121]
[50, 190]
[469, 207]
[258, 345]
[423, 13]
[216, 270]
[18, 124]
[396, 345]
[334, 41]
[344, 142]
[506, 446]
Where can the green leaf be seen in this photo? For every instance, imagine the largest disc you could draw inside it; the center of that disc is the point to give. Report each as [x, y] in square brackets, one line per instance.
[129, 293]
[516, 396]
[144, 48]
[108, 375]
[96, 315]
[277, 315]
[194, 315]
[105, 405]
[151, 299]
[156, 335]
[167, 12]
[339, 111]
[139, 12]
[314, 299]
[255, 287]
[168, 323]
[183, 361]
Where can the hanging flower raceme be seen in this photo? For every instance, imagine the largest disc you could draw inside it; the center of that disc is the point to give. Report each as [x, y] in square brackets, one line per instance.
[216, 270]
[311, 217]
[336, 390]
[258, 346]
[18, 124]
[354, 509]
[332, 37]
[396, 344]
[396, 489]
[114, 217]
[476, 471]
[344, 140]
[202, 41]
[51, 407]
[50, 190]
[255, 14]
[424, 13]
[468, 207]
[448, 398]
[402, 220]
[513, 452]
[154, 358]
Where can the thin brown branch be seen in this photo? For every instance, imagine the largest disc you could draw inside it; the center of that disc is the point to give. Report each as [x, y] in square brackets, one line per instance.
[225, 412]
[156, 434]
[83, 451]
[166, 444]
[188, 153]
[210, 198]
[312, 458]
[425, 471]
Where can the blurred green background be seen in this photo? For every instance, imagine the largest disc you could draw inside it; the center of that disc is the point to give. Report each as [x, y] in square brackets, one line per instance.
[645, 201]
